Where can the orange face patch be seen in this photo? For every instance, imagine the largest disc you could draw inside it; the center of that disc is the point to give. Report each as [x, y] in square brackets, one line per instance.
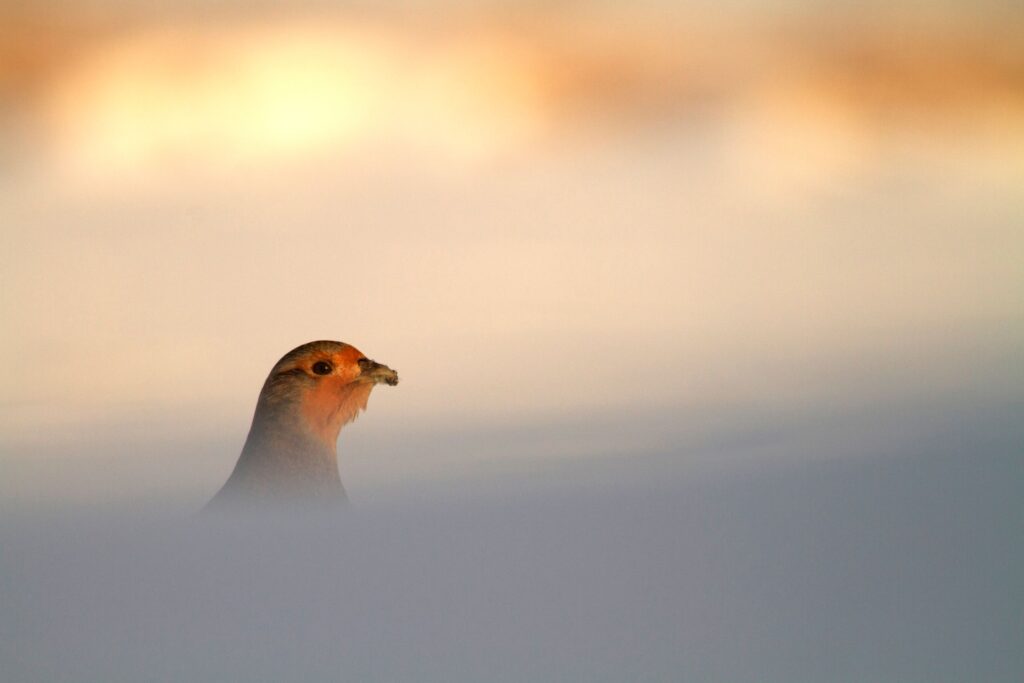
[336, 398]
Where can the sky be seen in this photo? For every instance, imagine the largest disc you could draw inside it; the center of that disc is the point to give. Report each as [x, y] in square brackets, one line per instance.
[738, 286]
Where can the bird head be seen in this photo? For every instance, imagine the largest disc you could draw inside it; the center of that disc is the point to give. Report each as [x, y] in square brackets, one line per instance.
[318, 388]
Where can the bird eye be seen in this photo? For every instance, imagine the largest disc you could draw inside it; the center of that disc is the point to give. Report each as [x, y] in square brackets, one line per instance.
[322, 367]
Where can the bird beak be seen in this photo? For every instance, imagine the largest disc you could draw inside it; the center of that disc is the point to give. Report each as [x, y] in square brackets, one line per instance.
[377, 372]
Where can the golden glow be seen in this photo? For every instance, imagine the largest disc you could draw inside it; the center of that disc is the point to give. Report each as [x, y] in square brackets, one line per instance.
[269, 93]
[728, 202]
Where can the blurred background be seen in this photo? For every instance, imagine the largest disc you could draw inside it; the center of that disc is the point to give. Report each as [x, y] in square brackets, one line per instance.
[575, 228]
[708, 316]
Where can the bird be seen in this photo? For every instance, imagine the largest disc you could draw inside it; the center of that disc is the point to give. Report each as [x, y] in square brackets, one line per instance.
[290, 454]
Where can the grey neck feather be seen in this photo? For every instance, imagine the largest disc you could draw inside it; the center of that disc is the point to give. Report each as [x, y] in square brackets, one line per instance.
[282, 462]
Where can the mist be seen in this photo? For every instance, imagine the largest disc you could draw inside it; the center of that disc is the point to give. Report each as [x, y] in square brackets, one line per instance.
[830, 544]
[897, 563]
